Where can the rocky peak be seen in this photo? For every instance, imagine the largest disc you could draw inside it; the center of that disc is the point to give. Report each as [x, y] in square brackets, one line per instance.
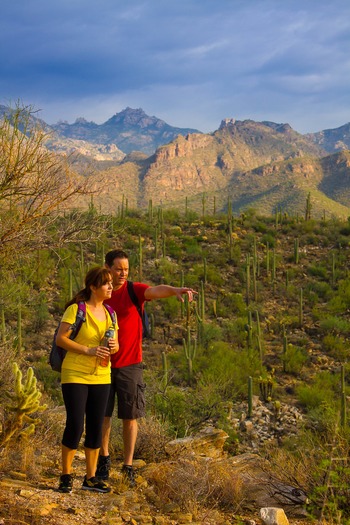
[135, 117]
[227, 122]
[332, 140]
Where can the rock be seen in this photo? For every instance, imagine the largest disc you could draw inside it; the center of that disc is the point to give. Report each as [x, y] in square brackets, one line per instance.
[209, 443]
[273, 516]
[47, 509]
[184, 517]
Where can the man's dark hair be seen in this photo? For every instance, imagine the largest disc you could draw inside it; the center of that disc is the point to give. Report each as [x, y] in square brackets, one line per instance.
[114, 254]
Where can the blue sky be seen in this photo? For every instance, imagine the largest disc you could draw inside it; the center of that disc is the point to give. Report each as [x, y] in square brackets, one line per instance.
[191, 63]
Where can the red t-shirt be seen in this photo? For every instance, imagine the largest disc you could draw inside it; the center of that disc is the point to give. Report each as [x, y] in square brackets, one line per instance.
[130, 325]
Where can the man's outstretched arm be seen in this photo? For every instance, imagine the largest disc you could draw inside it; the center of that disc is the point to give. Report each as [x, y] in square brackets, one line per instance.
[163, 290]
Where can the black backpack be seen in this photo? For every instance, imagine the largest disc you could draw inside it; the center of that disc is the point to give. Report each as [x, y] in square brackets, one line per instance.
[57, 354]
[146, 328]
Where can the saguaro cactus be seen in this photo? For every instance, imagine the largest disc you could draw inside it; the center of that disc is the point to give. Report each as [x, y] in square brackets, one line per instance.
[249, 330]
[308, 207]
[150, 210]
[296, 250]
[2, 324]
[250, 396]
[230, 240]
[273, 270]
[301, 304]
[140, 258]
[333, 269]
[156, 242]
[267, 260]
[343, 414]
[165, 369]
[205, 270]
[285, 347]
[247, 268]
[190, 349]
[19, 329]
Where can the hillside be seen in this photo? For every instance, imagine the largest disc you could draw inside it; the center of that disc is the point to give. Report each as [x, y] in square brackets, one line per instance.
[264, 165]
[259, 165]
[283, 322]
[332, 139]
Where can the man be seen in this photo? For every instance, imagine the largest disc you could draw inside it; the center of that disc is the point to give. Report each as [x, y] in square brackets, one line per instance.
[127, 367]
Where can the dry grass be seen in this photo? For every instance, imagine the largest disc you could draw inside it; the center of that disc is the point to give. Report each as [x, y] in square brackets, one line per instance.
[151, 441]
[196, 485]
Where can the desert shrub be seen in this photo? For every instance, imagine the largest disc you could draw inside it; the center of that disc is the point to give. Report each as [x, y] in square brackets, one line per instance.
[151, 439]
[173, 407]
[173, 249]
[294, 359]
[336, 346]
[50, 380]
[167, 271]
[317, 270]
[235, 331]
[8, 356]
[336, 325]
[171, 216]
[340, 303]
[195, 485]
[15, 512]
[210, 332]
[269, 238]
[171, 307]
[322, 289]
[227, 366]
[229, 304]
[41, 312]
[321, 400]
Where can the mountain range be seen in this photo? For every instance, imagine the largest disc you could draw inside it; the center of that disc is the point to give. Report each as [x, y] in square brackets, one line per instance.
[262, 165]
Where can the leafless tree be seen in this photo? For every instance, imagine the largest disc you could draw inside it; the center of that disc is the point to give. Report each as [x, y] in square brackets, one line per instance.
[35, 183]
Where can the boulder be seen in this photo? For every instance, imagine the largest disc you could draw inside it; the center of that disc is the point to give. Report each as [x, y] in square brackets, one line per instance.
[208, 443]
[273, 516]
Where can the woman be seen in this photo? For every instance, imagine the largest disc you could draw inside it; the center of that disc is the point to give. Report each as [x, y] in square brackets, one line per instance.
[86, 377]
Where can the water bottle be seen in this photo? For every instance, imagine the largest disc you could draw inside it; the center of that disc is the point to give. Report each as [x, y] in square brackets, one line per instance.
[105, 342]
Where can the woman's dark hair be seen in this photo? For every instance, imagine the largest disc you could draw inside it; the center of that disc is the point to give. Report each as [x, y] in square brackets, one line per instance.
[95, 277]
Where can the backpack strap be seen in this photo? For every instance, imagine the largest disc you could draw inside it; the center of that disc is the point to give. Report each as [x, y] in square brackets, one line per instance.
[111, 313]
[79, 320]
[133, 296]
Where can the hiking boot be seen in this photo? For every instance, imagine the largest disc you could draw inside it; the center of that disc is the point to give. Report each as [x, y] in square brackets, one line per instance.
[95, 485]
[129, 475]
[103, 466]
[66, 483]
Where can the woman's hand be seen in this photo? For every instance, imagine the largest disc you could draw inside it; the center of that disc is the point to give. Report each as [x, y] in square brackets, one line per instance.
[102, 352]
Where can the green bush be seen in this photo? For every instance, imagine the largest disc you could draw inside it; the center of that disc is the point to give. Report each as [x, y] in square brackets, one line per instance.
[174, 407]
[294, 359]
[318, 271]
[321, 400]
[340, 303]
[334, 324]
[228, 367]
[234, 331]
[322, 289]
[210, 332]
[336, 346]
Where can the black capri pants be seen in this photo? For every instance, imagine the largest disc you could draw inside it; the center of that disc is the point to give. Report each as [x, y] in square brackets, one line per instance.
[84, 402]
